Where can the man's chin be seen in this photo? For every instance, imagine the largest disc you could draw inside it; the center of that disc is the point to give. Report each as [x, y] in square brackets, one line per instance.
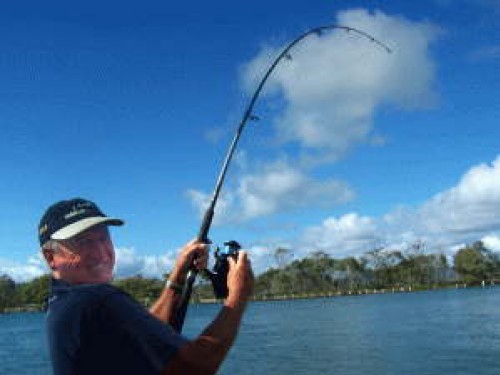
[106, 278]
[101, 275]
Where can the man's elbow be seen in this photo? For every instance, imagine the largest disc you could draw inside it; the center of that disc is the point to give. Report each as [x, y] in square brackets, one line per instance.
[202, 356]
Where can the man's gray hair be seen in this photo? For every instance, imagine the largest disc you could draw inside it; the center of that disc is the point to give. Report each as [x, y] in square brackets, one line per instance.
[51, 245]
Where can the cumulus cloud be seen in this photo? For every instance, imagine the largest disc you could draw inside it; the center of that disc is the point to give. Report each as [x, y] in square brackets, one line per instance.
[21, 272]
[462, 214]
[262, 257]
[465, 213]
[130, 263]
[334, 83]
[349, 235]
[330, 91]
[492, 242]
[275, 188]
[469, 208]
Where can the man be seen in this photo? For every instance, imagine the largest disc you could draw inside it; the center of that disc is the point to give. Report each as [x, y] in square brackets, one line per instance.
[94, 328]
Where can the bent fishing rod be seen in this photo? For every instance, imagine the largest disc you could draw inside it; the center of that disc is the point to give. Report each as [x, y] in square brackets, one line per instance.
[206, 223]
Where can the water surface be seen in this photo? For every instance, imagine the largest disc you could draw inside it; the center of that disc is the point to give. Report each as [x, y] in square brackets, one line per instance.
[422, 333]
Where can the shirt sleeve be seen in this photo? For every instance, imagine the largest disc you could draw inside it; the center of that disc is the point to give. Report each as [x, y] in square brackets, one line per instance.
[156, 341]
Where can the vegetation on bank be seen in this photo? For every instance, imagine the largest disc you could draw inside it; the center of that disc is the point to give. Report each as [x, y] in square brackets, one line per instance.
[317, 274]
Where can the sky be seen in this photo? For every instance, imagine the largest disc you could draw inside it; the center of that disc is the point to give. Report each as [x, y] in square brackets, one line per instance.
[133, 105]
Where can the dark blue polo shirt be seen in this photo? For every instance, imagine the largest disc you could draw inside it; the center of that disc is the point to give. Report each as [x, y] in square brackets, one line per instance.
[97, 329]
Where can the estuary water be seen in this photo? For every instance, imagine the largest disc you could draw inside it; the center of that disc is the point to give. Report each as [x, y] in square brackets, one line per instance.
[441, 332]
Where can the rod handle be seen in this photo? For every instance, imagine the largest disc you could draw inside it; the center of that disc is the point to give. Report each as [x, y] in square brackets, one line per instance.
[205, 225]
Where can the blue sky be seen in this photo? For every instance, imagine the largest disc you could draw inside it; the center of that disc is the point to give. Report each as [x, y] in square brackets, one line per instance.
[133, 105]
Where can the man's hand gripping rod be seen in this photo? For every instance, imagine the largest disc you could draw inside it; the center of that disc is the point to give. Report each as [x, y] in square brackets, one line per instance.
[209, 213]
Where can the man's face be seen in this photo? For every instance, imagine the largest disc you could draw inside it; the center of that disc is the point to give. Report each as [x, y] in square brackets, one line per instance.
[87, 258]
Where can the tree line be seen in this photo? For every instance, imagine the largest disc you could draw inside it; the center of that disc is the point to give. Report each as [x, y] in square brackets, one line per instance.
[413, 268]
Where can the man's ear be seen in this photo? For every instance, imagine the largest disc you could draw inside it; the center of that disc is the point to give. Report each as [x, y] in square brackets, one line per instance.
[48, 254]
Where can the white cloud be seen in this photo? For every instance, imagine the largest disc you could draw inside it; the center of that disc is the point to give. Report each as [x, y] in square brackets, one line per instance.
[350, 234]
[331, 89]
[468, 209]
[334, 83]
[20, 272]
[280, 186]
[261, 257]
[275, 188]
[462, 214]
[130, 263]
[492, 242]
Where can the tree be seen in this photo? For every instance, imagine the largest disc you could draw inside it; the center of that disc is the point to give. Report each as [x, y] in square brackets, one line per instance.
[7, 292]
[144, 290]
[386, 266]
[351, 265]
[282, 256]
[34, 293]
[475, 263]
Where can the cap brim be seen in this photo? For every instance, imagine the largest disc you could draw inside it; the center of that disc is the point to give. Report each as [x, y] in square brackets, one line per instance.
[82, 225]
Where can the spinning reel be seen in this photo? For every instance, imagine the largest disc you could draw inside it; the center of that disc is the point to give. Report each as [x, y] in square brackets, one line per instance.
[218, 275]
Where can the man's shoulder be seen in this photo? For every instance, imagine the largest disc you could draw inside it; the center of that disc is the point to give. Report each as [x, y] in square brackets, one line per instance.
[82, 295]
[97, 290]
[103, 295]
[91, 291]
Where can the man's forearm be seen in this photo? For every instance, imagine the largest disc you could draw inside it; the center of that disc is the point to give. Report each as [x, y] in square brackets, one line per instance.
[204, 355]
[194, 254]
[224, 327]
[165, 306]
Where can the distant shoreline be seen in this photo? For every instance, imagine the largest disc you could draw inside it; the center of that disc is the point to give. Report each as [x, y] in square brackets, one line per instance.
[367, 291]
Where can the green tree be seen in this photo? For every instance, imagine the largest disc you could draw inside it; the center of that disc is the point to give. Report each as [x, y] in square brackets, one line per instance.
[282, 256]
[475, 263]
[356, 273]
[33, 293]
[386, 266]
[7, 292]
[144, 290]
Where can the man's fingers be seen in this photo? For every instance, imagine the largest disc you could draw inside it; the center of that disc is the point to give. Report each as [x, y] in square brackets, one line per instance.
[241, 264]
[201, 261]
[197, 249]
[243, 256]
[194, 253]
[243, 260]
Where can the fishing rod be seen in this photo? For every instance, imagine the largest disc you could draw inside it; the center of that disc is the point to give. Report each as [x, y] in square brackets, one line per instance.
[218, 278]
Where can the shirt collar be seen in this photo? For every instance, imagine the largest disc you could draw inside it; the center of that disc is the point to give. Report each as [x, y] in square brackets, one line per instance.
[58, 286]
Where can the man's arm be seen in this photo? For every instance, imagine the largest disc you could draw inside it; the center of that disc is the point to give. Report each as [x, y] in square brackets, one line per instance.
[167, 304]
[204, 355]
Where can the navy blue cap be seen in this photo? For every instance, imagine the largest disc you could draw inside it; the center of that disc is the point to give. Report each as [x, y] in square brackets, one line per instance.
[68, 218]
